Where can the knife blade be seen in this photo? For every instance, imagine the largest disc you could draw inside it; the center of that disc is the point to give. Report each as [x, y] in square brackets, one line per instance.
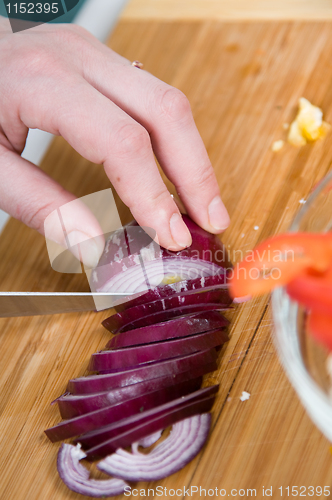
[14, 304]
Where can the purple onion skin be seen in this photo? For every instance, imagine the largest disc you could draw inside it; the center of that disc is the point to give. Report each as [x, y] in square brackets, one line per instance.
[185, 287]
[97, 436]
[89, 421]
[176, 328]
[140, 431]
[124, 378]
[132, 356]
[120, 320]
[163, 316]
[73, 406]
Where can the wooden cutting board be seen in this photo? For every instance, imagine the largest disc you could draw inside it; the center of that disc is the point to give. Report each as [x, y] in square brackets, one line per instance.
[243, 81]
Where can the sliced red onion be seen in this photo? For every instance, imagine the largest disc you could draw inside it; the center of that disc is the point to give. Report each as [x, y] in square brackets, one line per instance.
[162, 316]
[104, 449]
[133, 280]
[71, 406]
[120, 320]
[132, 356]
[177, 288]
[76, 476]
[123, 378]
[115, 435]
[175, 328]
[185, 440]
[89, 421]
[146, 441]
[132, 262]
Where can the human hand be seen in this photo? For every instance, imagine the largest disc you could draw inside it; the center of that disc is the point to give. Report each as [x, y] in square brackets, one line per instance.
[62, 80]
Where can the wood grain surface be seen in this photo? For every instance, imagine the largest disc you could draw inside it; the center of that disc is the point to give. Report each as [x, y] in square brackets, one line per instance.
[243, 81]
[228, 10]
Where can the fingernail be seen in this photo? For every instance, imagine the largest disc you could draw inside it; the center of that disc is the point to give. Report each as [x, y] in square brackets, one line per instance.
[218, 216]
[180, 232]
[85, 248]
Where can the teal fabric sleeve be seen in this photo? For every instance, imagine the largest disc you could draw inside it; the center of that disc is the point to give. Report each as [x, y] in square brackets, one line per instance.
[66, 18]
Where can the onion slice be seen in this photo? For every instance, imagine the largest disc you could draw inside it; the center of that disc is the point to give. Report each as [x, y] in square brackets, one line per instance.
[146, 441]
[175, 328]
[76, 477]
[179, 288]
[185, 441]
[121, 319]
[166, 315]
[71, 406]
[141, 430]
[131, 262]
[183, 407]
[132, 356]
[124, 378]
[89, 421]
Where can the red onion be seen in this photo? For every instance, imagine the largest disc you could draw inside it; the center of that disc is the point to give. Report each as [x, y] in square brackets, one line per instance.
[149, 440]
[83, 423]
[186, 439]
[76, 477]
[179, 288]
[71, 406]
[123, 378]
[153, 319]
[120, 320]
[160, 417]
[132, 356]
[133, 263]
[175, 328]
[139, 431]
[149, 377]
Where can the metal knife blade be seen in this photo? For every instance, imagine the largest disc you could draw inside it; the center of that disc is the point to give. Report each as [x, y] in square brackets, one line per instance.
[13, 304]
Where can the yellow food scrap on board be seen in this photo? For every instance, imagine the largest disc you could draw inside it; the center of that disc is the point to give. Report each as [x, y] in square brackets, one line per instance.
[277, 145]
[170, 279]
[308, 126]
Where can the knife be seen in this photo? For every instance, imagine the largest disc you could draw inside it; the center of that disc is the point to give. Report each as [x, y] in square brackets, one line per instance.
[13, 304]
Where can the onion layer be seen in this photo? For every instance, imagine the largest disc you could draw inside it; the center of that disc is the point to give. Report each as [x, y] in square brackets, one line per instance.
[177, 312]
[71, 406]
[186, 439]
[120, 320]
[132, 356]
[83, 423]
[179, 288]
[182, 408]
[175, 328]
[124, 378]
[140, 431]
[76, 477]
[133, 263]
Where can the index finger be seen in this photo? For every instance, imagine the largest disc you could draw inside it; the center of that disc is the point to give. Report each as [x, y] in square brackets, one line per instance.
[165, 112]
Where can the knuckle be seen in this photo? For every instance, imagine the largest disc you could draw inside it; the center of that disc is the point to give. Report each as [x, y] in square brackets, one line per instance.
[153, 202]
[204, 178]
[35, 218]
[174, 105]
[160, 198]
[131, 139]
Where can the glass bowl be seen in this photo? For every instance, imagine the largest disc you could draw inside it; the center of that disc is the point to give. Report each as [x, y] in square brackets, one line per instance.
[304, 360]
